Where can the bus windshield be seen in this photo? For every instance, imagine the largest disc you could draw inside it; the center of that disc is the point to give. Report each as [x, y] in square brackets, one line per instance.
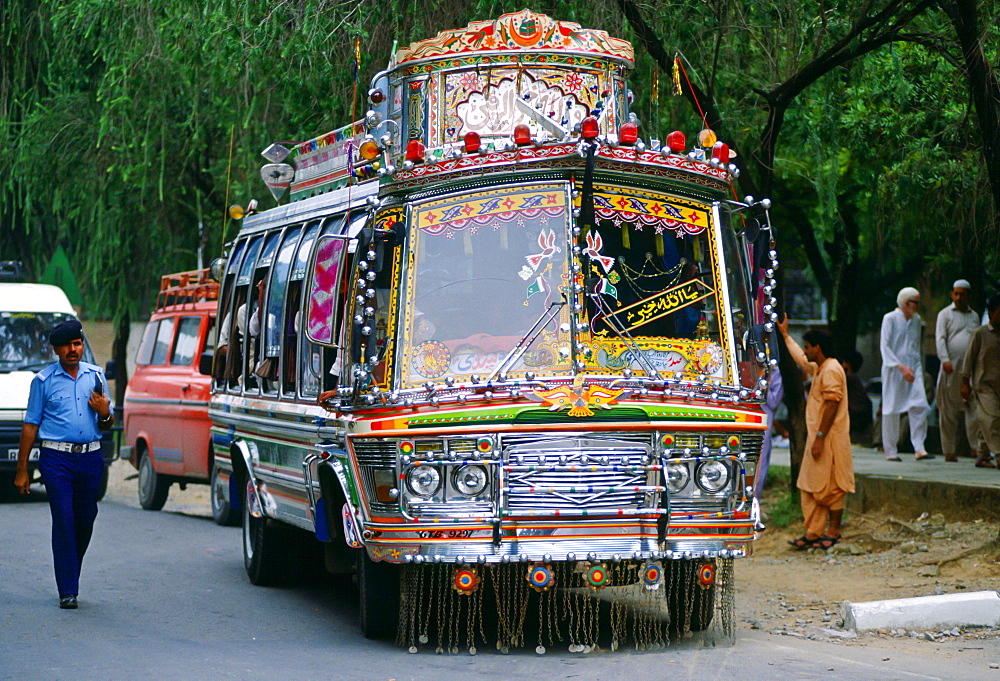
[493, 284]
[652, 272]
[488, 284]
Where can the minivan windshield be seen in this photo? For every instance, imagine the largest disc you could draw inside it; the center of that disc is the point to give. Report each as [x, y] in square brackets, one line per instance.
[24, 340]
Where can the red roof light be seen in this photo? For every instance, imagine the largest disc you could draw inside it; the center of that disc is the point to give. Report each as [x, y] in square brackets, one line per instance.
[677, 142]
[415, 151]
[472, 142]
[628, 134]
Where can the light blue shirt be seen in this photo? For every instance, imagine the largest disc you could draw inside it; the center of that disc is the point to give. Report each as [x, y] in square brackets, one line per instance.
[58, 405]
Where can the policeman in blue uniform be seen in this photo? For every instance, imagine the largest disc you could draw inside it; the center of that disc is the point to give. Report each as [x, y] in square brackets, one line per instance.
[68, 408]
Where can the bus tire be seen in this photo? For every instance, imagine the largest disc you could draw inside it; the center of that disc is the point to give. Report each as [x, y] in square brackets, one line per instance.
[264, 541]
[378, 597]
[691, 605]
[222, 511]
[153, 487]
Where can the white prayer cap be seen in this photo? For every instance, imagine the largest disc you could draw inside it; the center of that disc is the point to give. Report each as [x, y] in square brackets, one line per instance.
[905, 294]
[962, 283]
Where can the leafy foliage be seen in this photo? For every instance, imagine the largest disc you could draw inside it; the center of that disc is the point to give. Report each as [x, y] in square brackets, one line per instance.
[129, 126]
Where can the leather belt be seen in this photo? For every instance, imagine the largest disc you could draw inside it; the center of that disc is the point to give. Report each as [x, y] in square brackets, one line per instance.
[71, 447]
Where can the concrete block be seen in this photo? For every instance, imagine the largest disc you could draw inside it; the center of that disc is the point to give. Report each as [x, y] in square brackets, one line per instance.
[978, 609]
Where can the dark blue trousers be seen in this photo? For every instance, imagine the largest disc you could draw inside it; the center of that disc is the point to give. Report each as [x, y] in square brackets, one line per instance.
[73, 483]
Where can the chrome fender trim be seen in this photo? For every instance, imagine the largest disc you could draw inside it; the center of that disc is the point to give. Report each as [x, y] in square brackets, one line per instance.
[261, 503]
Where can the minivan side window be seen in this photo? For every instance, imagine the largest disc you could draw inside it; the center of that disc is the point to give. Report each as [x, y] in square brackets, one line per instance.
[186, 346]
[145, 353]
[164, 335]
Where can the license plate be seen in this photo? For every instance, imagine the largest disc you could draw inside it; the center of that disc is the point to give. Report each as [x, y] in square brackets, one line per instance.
[12, 454]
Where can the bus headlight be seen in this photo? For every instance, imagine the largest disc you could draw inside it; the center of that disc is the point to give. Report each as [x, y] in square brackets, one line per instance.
[423, 481]
[712, 476]
[471, 480]
[677, 477]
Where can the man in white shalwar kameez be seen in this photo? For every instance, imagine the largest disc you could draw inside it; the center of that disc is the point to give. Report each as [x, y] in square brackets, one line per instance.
[902, 375]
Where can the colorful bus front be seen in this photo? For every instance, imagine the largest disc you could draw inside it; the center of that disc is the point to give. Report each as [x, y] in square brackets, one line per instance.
[544, 345]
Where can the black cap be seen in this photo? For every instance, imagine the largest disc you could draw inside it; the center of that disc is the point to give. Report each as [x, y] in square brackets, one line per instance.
[64, 332]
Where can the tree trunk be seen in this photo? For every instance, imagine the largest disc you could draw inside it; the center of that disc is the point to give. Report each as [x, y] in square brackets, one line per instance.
[984, 88]
[119, 353]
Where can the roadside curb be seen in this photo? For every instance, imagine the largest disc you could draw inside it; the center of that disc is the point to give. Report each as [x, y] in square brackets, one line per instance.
[911, 498]
[977, 609]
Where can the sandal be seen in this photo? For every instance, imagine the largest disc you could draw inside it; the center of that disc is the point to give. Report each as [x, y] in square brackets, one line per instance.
[802, 542]
[826, 542]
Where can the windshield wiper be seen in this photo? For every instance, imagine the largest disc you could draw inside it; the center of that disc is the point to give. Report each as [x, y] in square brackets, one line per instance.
[619, 329]
[528, 338]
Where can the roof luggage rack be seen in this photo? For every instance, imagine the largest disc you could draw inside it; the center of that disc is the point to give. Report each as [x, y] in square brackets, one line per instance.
[186, 288]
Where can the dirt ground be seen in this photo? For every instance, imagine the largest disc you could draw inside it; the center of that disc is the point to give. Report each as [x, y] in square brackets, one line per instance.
[799, 593]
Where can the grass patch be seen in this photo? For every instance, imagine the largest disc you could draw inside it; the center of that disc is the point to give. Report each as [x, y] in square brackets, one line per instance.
[780, 499]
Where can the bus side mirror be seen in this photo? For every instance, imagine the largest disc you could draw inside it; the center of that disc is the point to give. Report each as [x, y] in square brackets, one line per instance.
[323, 306]
[111, 368]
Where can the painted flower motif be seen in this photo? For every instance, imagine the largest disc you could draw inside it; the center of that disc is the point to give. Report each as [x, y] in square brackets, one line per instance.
[573, 81]
[470, 82]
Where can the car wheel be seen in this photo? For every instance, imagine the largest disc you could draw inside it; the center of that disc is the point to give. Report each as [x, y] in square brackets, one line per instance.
[153, 487]
[222, 511]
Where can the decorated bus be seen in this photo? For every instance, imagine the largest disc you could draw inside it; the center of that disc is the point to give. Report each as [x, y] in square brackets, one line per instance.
[501, 354]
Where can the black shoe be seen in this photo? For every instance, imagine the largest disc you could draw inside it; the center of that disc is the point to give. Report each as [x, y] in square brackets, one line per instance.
[68, 603]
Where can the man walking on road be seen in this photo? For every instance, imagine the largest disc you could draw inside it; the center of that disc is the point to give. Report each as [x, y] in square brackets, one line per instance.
[827, 472]
[981, 376]
[902, 375]
[955, 325]
[67, 409]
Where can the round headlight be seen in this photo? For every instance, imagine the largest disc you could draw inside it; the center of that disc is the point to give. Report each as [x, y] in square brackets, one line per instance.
[712, 476]
[423, 481]
[677, 477]
[471, 480]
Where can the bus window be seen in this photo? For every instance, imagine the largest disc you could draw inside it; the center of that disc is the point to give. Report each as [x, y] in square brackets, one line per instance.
[318, 366]
[250, 314]
[224, 326]
[293, 312]
[273, 321]
[234, 324]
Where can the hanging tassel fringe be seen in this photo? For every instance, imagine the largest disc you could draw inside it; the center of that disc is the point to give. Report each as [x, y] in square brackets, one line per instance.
[643, 606]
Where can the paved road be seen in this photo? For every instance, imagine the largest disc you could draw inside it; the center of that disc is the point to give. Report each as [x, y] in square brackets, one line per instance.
[164, 596]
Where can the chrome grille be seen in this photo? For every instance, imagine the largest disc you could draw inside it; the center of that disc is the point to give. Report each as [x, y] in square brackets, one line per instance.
[544, 463]
[682, 440]
[371, 455]
[752, 443]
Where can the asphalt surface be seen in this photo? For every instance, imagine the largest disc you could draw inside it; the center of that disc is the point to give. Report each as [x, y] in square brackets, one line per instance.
[164, 595]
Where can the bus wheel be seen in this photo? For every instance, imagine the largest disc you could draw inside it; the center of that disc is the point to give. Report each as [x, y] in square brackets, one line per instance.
[153, 487]
[691, 604]
[378, 596]
[263, 547]
[222, 512]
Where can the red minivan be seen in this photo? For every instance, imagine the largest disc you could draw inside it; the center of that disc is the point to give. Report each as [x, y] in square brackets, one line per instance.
[166, 427]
